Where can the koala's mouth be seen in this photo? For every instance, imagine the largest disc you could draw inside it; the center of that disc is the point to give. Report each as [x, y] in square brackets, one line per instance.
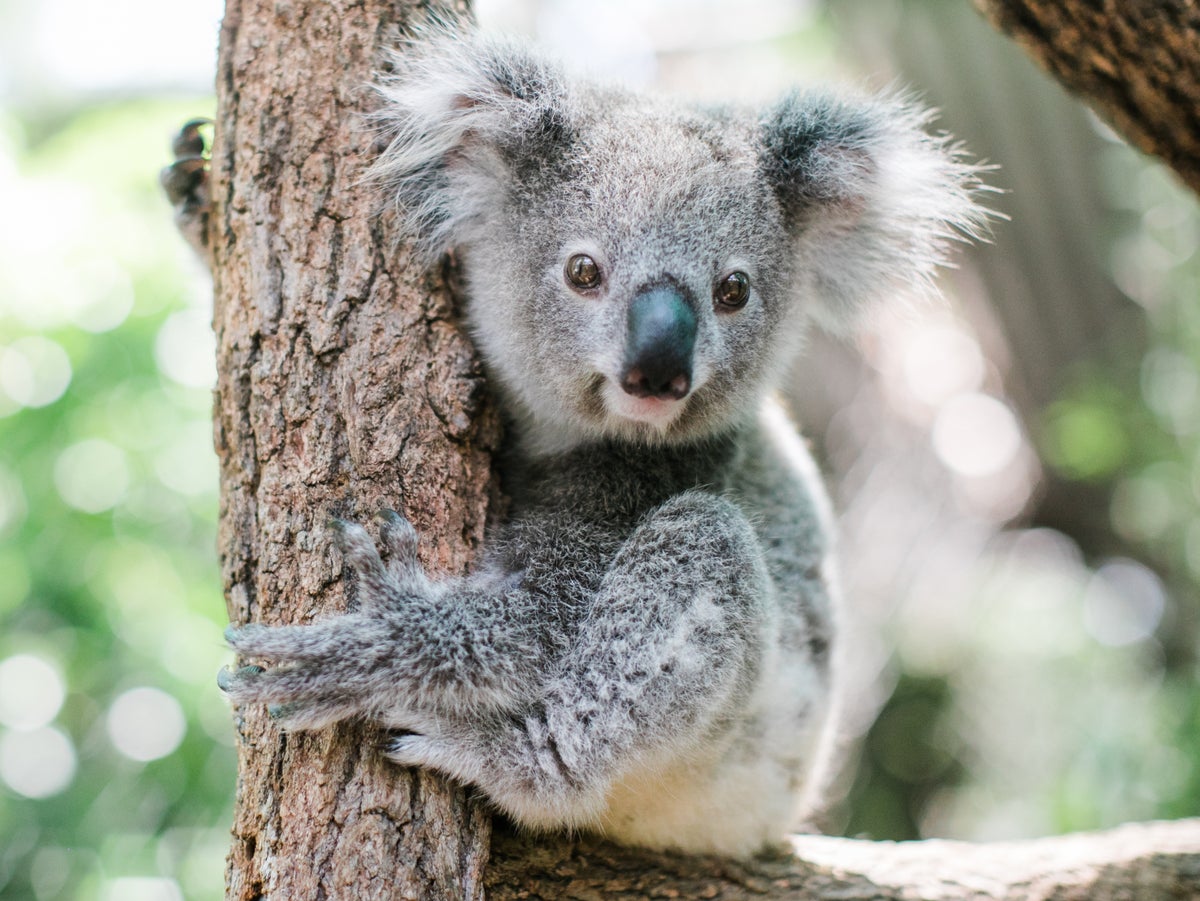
[656, 411]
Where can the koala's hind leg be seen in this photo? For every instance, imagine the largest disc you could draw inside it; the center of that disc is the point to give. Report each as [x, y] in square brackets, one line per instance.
[668, 653]
[186, 184]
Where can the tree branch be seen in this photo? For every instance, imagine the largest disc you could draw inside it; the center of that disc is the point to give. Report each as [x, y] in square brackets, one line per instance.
[1139, 861]
[1137, 63]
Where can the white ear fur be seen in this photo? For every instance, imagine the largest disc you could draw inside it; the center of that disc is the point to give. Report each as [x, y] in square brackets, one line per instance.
[873, 200]
[453, 102]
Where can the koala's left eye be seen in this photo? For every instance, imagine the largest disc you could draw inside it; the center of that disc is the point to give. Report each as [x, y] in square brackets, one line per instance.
[582, 271]
[732, 291]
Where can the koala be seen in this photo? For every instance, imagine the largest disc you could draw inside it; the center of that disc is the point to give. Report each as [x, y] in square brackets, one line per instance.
[646, 648]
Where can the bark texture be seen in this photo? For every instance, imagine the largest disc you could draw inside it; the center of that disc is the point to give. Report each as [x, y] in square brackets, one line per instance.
[344, 385]
[1141, 862]
[1137, 62]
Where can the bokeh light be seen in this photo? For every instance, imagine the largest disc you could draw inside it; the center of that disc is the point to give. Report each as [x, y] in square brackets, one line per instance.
[976, 435]
[145, 724]
[38, 763]
[142, 888]
[34, 371]
[186, 350]
[31, 692]
[92, 475]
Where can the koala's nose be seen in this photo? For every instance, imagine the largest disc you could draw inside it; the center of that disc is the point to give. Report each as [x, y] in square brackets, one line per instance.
[660, 337]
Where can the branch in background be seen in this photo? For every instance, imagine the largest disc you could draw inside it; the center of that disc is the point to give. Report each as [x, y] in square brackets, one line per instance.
[1136, 63]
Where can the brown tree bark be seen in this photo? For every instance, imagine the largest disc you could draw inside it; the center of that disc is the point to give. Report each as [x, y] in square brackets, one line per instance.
[1141, 862]
[345, 384]
[1137, 62]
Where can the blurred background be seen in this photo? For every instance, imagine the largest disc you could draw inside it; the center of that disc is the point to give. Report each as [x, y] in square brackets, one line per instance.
[1017, 468]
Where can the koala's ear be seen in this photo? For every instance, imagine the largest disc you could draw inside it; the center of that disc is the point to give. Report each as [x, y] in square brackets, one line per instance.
[461, 114]
[871, 199]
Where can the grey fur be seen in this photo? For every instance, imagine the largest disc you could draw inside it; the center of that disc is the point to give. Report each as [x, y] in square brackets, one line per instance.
[645, 648]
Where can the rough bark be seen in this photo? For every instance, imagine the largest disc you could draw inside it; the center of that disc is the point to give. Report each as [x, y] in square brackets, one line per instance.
[345, 384]
[1137, 62]
[1141, 862]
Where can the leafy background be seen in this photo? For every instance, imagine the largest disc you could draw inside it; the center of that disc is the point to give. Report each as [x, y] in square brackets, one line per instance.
[1017, 468]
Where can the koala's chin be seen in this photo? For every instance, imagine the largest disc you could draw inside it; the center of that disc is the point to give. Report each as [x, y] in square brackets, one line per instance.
[657, 413]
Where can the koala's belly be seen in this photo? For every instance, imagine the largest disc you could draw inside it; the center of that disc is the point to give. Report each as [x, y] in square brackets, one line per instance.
[745, 791]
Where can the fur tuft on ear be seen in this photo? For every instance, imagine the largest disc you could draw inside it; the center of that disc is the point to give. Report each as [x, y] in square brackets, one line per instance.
[872, 200]
[462, 113]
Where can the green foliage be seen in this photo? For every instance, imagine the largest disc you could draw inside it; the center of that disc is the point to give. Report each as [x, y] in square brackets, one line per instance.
[910, 753]
[116, 765]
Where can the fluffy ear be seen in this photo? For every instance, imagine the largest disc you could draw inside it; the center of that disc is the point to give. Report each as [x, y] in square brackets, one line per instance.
[871, 199]
[463, 115]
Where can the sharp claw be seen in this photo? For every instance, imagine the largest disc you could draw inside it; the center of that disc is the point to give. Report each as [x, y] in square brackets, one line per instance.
[190, 141]
[390, 516]
[279, 712]
[227, 679]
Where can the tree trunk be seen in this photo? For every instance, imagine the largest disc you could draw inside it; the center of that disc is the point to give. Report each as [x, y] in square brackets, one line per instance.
[345, 384]
[1137, 62]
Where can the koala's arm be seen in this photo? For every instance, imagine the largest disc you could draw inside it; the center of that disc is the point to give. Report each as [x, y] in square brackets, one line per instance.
[412, 644]
[469, 671]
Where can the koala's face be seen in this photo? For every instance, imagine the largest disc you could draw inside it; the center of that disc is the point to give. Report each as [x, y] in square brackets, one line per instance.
[639, 269]
[635, 282]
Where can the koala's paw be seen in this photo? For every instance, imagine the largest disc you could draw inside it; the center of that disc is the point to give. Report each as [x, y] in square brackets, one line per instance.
[346, 665]
[186, 182]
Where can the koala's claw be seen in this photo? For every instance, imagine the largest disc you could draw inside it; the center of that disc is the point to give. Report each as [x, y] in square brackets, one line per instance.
[294, 701]
[192, 140]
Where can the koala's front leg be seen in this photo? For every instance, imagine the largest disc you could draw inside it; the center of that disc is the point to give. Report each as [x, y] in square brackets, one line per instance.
[670, 649]
[413, 647]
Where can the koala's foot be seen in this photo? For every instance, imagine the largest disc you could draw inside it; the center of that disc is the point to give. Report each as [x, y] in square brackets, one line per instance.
[186, 183]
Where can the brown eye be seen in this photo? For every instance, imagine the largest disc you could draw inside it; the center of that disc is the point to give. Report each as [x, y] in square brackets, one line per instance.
[582, 271]
[733, 291]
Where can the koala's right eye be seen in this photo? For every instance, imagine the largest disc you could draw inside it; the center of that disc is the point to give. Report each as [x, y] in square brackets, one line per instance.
[582, 271]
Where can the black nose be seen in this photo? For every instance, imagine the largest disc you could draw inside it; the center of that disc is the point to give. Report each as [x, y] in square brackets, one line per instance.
[659, 341]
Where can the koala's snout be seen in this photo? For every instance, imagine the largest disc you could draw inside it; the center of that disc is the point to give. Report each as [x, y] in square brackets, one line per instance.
[660, 336]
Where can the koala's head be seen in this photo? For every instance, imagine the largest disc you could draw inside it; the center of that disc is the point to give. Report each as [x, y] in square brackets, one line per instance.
[640, 269]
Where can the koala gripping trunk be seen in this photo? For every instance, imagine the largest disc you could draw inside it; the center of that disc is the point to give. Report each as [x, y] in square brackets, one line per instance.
[342, 389]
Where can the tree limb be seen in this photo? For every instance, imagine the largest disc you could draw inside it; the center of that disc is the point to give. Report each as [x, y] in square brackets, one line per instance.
[1150, 861]
[1137, 62]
